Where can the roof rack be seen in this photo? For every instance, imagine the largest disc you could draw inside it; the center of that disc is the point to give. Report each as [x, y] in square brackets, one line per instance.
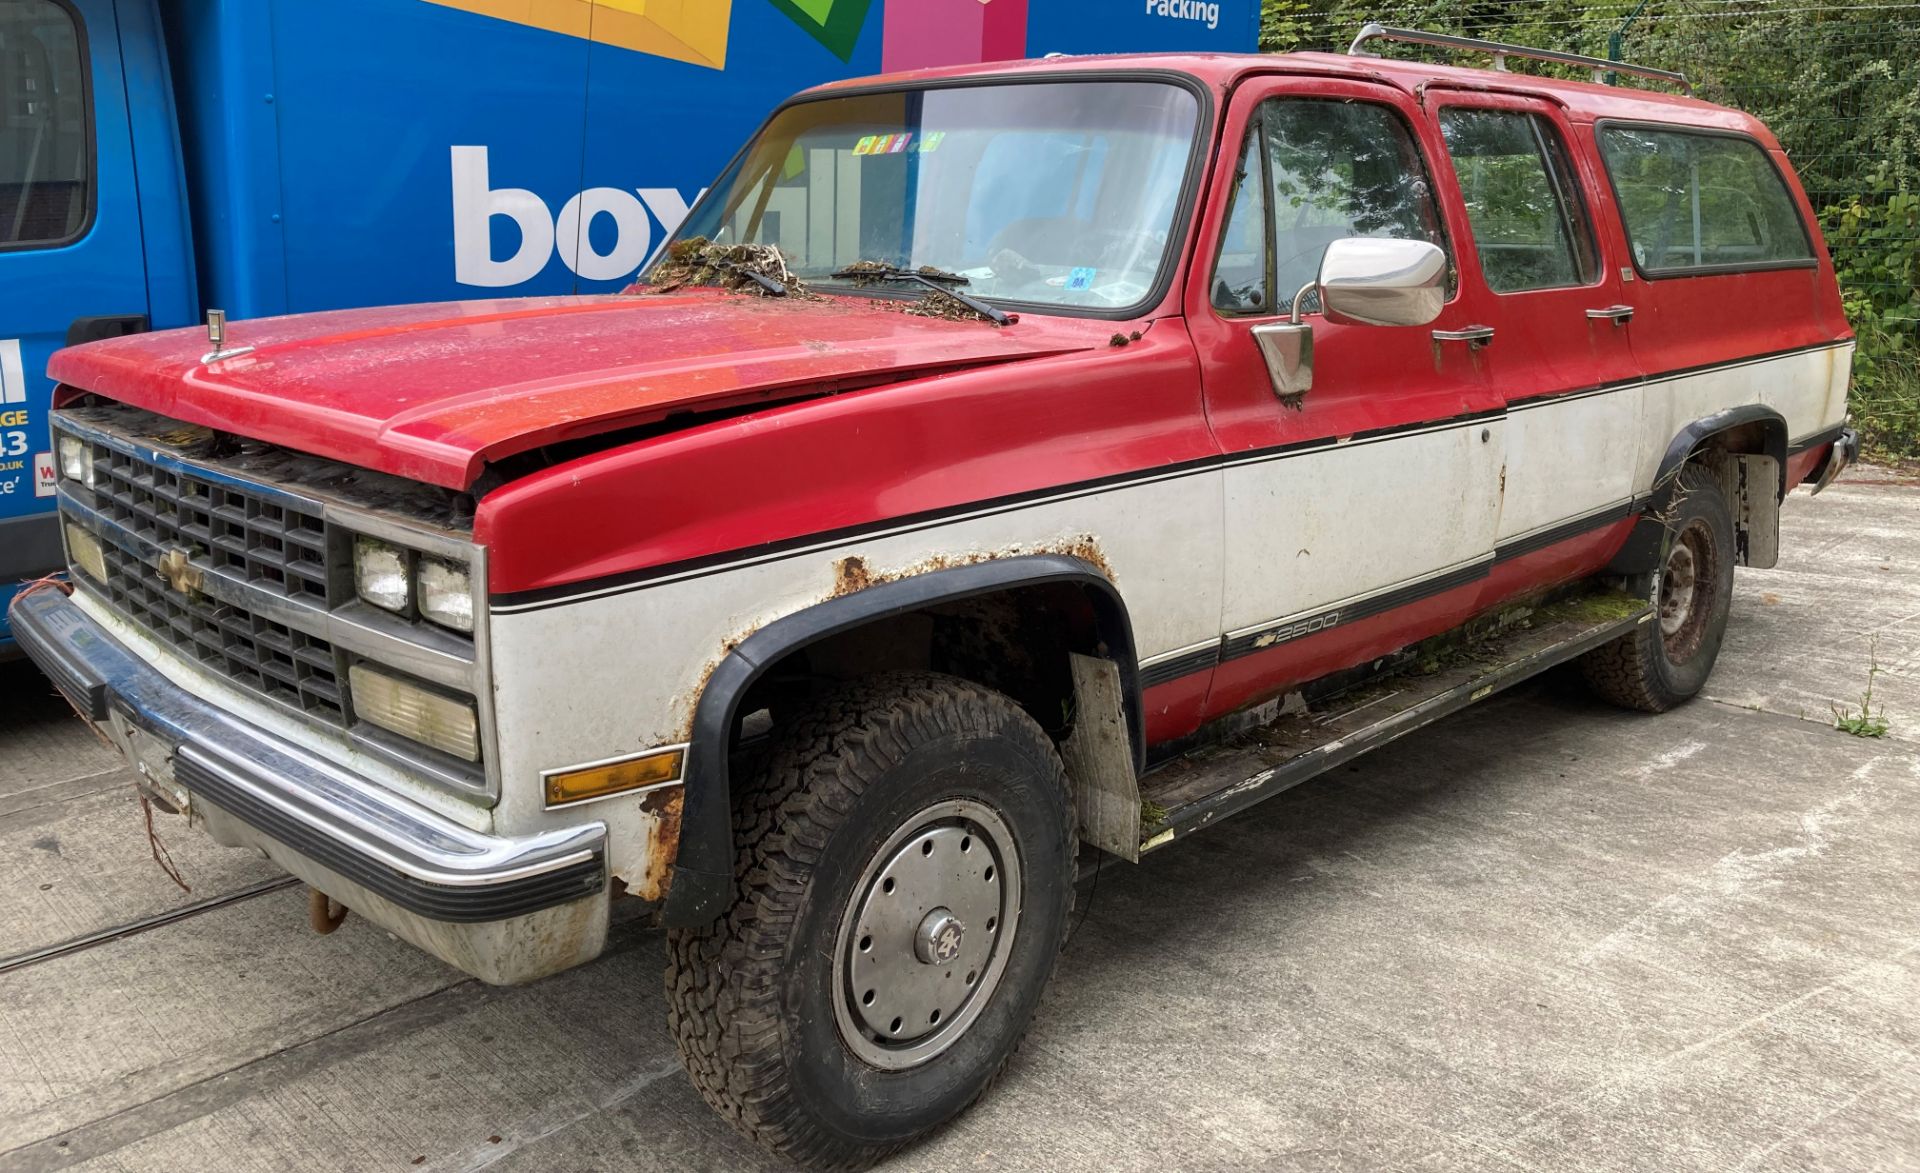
[1501, 51]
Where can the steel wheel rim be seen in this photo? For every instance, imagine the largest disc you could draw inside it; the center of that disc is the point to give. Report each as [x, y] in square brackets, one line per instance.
[926, 934]
[1689, 579]
[1677, 588]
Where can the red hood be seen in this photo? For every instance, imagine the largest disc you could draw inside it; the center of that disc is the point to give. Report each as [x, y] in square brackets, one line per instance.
[433, 392]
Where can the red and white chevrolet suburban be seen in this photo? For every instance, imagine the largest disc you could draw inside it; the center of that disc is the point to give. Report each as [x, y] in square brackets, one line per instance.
[1110, 444]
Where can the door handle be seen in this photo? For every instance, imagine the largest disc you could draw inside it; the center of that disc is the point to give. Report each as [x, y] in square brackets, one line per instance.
[1475, 337]
[1620, 315]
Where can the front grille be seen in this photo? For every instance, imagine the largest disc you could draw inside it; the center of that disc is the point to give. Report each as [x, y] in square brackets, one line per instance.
[243, 534]
[268, 542]
[256, 653]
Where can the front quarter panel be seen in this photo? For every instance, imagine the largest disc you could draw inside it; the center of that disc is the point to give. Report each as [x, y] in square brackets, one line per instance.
[620, 581]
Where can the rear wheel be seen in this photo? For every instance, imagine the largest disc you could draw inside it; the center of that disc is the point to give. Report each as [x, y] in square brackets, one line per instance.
[904, 878]
[1664, 662]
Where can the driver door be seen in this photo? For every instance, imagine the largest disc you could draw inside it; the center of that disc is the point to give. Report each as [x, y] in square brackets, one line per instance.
[1360, 517]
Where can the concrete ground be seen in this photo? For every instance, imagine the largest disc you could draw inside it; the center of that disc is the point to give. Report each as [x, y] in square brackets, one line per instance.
[1541, 935]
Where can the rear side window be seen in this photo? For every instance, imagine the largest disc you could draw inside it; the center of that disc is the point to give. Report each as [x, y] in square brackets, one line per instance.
[1529, 226]
[1314, 171]
[45, 146]
[1701, 201]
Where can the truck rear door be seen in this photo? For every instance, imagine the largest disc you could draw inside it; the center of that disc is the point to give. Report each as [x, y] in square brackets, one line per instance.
[70, 241]
[1562, 361]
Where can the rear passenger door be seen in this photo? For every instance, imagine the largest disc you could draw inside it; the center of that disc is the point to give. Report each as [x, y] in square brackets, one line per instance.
[1561, 359]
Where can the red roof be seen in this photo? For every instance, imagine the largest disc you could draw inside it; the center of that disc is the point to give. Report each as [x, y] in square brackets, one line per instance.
[1584, 101]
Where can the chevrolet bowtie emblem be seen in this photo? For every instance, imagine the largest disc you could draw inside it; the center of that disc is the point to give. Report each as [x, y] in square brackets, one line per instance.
[181, 575]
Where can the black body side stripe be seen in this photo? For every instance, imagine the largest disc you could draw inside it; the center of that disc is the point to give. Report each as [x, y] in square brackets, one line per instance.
[1555, 534]
[1522, 402]
[1247, 643]
[909, 523]
[1184, 664]
[1285, 631]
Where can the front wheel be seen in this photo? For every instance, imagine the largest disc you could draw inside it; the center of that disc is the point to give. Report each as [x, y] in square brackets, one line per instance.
[1666, 661]
[903, 885]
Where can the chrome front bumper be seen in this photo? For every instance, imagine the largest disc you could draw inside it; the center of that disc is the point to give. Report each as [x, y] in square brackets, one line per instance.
[504, 909]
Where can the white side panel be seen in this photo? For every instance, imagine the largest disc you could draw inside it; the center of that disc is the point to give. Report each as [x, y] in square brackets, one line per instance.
[1808, 389]
[1193, 555]
[1318, 527]
[1568, 457]
[604, 677]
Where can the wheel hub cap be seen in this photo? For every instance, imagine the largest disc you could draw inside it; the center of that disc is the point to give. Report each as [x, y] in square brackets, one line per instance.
[925, 937]
[939, 938]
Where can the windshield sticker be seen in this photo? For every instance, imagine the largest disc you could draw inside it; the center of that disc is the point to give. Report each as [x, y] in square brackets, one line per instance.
[1080, 278]
[897, 144]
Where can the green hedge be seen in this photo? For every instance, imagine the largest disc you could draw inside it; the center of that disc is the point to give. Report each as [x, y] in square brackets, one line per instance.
[1839, 84]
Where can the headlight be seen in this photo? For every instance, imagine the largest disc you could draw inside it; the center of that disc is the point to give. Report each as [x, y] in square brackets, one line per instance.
[399, 706]
[382, 573]
[76, 460]
[446, 593]
[87, 552]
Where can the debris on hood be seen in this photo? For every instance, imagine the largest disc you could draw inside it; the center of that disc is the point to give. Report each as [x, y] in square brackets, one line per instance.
[739, 268]
[938, 303]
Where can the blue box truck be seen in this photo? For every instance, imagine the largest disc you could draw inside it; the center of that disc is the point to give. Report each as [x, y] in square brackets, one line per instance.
[159, 158]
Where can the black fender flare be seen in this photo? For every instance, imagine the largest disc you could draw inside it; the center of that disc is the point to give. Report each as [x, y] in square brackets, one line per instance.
[1644, 545]
[702, 885]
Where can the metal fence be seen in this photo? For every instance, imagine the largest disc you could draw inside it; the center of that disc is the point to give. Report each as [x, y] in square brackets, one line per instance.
[1838, 83]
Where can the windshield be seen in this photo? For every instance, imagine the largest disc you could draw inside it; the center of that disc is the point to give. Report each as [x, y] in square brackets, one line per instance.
[1060, 193]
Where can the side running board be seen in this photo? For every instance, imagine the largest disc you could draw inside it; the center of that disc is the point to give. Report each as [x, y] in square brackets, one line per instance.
[1209, 784]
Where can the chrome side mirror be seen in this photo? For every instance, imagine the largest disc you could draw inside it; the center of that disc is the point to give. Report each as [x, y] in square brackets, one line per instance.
[1375, 281]
[1363, 280]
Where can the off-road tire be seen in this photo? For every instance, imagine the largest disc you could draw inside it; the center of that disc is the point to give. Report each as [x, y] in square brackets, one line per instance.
[1649, 669]
[750, 997]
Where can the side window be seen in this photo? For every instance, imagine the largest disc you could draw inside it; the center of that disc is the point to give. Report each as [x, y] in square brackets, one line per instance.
[1328, 169]
[1240, 275]
[46, 160]
[1701, 201]
[1529, 225]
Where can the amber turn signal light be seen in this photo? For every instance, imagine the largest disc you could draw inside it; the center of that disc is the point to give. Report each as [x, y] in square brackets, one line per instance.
[614, 777]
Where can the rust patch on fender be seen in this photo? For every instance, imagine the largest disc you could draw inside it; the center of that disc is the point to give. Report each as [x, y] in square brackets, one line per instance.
[663, 844]
[851, 574]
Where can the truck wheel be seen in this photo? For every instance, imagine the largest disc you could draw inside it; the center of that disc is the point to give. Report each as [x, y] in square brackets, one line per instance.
[903, 883]
[1667, 660]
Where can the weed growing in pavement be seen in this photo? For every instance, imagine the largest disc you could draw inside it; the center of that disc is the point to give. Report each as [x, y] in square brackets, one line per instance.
[1866, 722]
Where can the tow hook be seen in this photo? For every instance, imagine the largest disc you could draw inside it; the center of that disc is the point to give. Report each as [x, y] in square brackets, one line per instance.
[324, 913]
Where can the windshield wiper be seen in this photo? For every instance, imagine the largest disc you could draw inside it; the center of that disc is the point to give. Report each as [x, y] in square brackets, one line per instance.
[773, 287]
[931, 278]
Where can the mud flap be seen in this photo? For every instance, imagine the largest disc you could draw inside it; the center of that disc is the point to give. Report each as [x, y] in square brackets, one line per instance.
[1099, 759]
[1751, 485]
